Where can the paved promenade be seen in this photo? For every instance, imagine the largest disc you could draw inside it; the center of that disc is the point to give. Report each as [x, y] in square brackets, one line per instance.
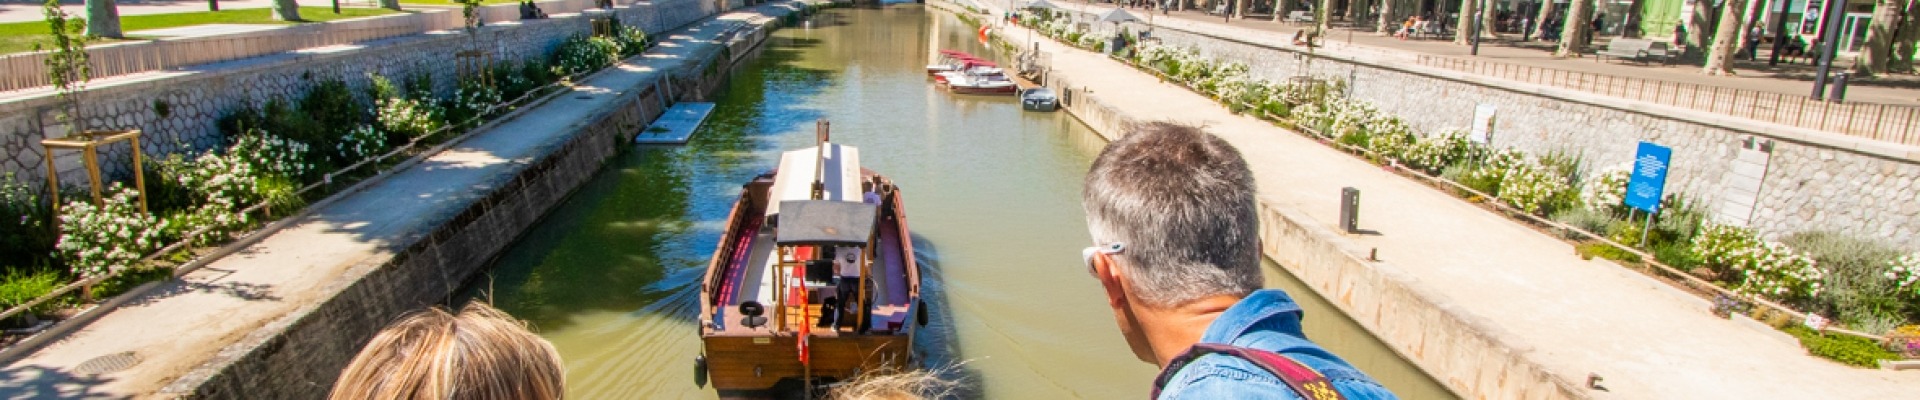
[30, 11]
[184, 323]
[1575, 317]
[1787, 78]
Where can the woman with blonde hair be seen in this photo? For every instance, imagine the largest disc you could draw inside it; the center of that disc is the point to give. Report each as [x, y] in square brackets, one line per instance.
[479, 354]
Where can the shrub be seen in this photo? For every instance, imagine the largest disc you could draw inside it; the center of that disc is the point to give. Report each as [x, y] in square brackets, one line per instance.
[26, 224]
[332, 105]
[1905, 340]
[582, 53]
[360, 143]
[1677, 255]
[108, 237]
[1585, 219]
[221, 185]
[1847, 349]
[18, 287]
[1607, 189]
[632, 40]
[1486, 176]
[406, 119]
[270, 154]
[471, 102]
[1904, 272]
[1435, 153]
[1759, 267]
[537, 71]
[380, 88]
[1529, 187]
[513, 83]
[1857, 291]
[419, 85]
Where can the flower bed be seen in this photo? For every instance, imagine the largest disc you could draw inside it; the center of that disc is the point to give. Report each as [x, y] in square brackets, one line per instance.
[275, 161]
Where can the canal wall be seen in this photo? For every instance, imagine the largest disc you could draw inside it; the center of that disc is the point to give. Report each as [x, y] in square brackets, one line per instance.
[1776, 179]
[300, 355]
[1470, 356]
[177, 110]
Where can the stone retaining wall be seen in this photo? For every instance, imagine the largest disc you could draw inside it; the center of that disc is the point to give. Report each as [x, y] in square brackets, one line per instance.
[1470, 357]
[1807, 180]
[300, 355]
[195, 99]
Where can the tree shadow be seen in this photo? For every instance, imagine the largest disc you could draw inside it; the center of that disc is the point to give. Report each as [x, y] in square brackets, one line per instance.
[41, 382]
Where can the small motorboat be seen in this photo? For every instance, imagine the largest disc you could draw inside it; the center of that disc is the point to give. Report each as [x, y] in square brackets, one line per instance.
[984, 80]
[965, 67]
[813, 281]
[950, 60]
[1039, 99]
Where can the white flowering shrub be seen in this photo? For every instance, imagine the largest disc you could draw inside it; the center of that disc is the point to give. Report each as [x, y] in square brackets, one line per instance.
[1487, 175]
[1760, 267]
[96, 240]
[1390, 137]
[1904, 272]
[583, 53]
[1606, 189]
[407, 119]
[1527, 186]
[271, 154]
[361, 142]
[1435, 153]
[472, 100]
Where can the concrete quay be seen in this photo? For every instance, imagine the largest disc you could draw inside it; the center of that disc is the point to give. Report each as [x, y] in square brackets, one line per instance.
[280, 317]
[1490, 307]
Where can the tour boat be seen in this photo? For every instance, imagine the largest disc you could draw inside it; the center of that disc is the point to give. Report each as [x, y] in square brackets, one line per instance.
[814, 280]
[949, 61]
[1039, 99]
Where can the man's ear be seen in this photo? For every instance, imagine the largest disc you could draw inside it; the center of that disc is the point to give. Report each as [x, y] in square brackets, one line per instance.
[1112, 278]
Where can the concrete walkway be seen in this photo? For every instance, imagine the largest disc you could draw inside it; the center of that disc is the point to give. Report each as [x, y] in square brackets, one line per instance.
[30, 11]
[183, 324]
[1575, 317]
[1787, 78]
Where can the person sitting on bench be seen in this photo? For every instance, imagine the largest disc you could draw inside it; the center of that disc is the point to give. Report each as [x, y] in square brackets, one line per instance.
[530, 11]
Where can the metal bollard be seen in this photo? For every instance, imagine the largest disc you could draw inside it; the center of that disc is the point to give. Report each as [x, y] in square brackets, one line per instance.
[1839, 87]
[1350, 210]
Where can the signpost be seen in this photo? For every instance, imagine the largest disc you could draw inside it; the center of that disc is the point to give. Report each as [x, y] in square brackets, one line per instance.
[1648, 182]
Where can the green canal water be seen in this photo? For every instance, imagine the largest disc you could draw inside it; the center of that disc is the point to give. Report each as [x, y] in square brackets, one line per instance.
[992, 196]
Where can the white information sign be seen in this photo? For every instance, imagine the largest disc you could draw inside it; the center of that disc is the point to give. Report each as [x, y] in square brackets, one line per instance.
[1482, 131]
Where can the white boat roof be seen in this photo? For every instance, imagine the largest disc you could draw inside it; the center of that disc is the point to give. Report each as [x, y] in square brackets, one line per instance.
[795, 178]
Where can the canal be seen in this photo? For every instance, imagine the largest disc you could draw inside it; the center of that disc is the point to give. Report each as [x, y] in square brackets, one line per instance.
[992, 195]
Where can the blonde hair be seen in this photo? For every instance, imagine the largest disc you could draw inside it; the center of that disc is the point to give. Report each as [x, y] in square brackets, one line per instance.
[480, 354]
[894, 385]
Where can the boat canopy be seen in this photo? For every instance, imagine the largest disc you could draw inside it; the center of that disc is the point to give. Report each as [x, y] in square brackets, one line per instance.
[798, 168]
[826, 223]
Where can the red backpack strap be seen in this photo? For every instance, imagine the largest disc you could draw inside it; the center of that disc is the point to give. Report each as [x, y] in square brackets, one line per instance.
[1304, 381]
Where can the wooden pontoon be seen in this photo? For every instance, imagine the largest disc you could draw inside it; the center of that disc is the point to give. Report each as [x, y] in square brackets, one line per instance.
[815, 234]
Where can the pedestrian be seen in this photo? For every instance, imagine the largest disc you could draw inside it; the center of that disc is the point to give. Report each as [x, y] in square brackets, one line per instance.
[479, 354]
[1753, 41]
[1177, 250]
[1599, 22]
[1680, 36]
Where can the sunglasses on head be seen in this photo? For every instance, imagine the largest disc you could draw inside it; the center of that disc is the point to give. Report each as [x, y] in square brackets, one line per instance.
[1086, 255]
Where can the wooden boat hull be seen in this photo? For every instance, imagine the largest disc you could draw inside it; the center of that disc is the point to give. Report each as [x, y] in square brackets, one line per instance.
[742, 361]
[746, 365]
[989, 90]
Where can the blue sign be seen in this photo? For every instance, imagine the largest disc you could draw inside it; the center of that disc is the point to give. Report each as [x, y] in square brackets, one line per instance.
[1649, 177]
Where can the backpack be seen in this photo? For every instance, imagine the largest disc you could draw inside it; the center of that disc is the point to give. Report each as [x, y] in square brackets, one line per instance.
[1304, 381]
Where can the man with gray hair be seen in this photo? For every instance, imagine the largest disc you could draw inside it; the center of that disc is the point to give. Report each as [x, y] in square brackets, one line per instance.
[1171, 209]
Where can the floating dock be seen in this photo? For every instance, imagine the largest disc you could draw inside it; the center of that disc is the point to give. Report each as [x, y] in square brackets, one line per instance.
[676, 125]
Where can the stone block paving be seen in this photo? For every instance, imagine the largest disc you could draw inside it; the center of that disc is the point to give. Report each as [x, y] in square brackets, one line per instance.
[188, 321]
[1573, 317]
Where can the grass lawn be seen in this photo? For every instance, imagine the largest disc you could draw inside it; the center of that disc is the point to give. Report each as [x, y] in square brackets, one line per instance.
[20, 36]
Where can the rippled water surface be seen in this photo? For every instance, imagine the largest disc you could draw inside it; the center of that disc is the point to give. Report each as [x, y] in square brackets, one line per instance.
[992, 197]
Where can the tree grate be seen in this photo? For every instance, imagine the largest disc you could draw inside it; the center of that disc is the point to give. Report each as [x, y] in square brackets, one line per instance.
[110, 363]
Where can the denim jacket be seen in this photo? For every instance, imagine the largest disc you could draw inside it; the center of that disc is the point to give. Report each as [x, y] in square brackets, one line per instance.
[1266, 320]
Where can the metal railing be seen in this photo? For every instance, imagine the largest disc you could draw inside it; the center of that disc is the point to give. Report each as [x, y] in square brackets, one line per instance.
[22, 71]
[1883, 122]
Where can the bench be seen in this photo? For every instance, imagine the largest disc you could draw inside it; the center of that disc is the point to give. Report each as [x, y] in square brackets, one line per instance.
[1635, 49]
[1300, 17]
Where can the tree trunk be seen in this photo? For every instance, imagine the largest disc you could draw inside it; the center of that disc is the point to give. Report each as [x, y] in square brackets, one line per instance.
[1354, 9]
[1720, 56]
[1903, 43]
[390, 4]
[103, 19]
[1880, 32]
[1489, 17]
[1574, 29]
[1281, 8]
[1540, 21]
[1322, 16]
[1697, 25]
[1387, 22]
[1240, 8]
[1467, 9]
[286, 10]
